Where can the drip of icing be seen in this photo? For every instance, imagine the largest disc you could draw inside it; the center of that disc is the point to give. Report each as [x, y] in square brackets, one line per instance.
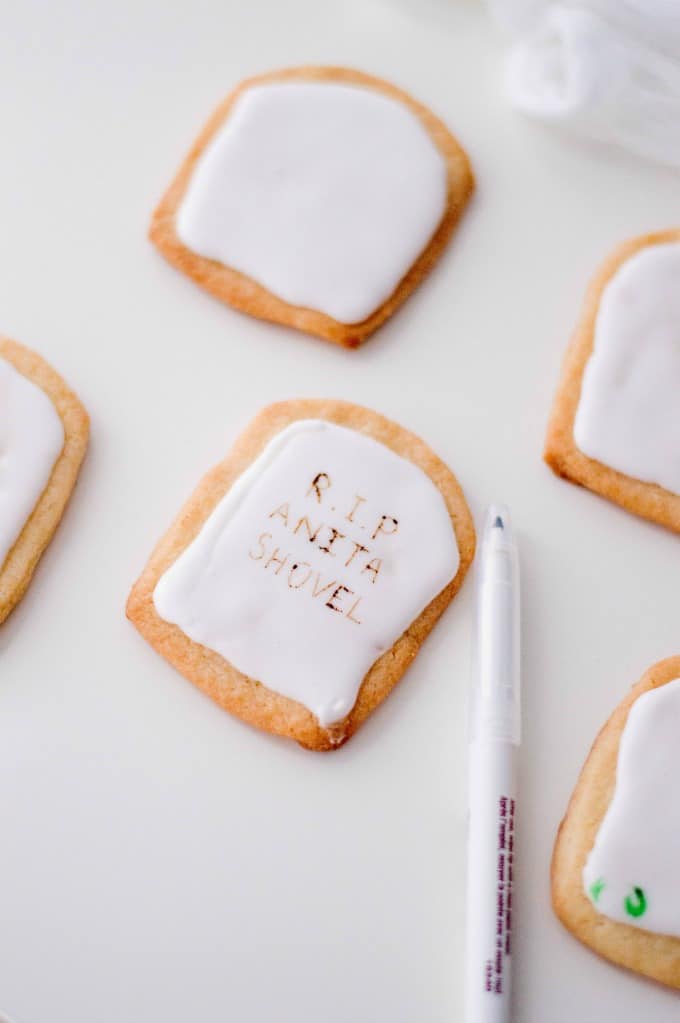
[631, 872]
[324, 193]
[628, 415]
[31, 440]
[313, 564]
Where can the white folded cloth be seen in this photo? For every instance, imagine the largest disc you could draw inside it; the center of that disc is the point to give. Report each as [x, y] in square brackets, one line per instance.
[607, 68]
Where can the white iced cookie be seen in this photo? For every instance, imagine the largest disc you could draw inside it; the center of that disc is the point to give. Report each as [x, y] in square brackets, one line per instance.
[31, 440]
[313, 564]
[631, 871]
[43, 436]
[614, 869]
[313, 197]
[629, 415]
[316, 560]
[322, 192]
[615, 425]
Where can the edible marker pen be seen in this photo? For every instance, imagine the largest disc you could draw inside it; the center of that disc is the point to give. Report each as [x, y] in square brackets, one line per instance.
[494, 746]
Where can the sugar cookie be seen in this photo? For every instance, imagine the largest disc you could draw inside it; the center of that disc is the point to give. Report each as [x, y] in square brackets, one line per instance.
[43, 437]
[615, 425]
[302, 576]
[316, 197]
[614, 869]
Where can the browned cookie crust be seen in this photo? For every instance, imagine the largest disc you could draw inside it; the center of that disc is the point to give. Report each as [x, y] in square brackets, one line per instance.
[20, 563]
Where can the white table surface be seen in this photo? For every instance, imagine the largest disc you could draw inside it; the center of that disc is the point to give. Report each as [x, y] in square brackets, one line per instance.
[159, 860]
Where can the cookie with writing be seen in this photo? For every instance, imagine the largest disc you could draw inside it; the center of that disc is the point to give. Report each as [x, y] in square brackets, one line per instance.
[316, 197]
[614, 867]
[43, 437]
[615, 424]
[299, 581]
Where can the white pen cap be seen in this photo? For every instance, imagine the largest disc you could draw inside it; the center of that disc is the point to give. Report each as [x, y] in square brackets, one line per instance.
[495, 698]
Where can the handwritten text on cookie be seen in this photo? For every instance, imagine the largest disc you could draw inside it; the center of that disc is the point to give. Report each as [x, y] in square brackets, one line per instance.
[340, 558]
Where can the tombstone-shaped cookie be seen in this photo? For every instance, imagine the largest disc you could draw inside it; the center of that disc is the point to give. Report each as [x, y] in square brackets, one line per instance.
[298, 583]
[43, 437]
[615, 425]
[615, 863]
[316, 197]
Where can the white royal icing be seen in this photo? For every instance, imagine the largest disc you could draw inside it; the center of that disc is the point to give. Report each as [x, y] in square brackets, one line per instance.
[628, 415]
[308, 617]
[631, 874]
[324, 193]
[31, 440]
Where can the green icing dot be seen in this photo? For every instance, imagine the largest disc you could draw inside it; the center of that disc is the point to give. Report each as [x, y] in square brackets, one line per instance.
[596, 889]
[635, 904]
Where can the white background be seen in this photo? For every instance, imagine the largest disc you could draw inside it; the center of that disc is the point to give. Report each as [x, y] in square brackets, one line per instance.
[160, 861]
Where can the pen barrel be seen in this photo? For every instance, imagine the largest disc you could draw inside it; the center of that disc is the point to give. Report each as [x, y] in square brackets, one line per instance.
[495, 702]
[491, 848]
